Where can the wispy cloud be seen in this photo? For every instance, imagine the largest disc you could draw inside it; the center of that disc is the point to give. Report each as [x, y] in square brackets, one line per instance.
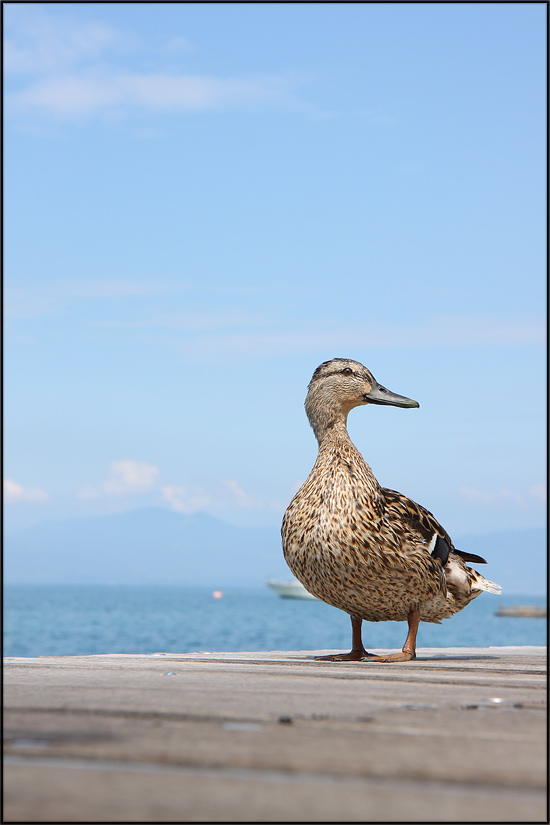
[36, 43]
[441, 331]
[14, 492]
[191, 498]
[90, 94]
[28, 303]
[125, 478]
[67, 69]
[186, 498]
[128, 478]
[43, 296]
[236, 493]
[168, 308]
[539, 491]
[504, 496]
[55, 296]
[178, 45]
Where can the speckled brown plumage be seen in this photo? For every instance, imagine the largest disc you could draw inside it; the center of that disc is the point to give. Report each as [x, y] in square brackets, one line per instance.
[354, 544]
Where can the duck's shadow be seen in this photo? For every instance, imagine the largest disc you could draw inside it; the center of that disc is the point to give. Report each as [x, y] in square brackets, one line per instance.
[441, 658]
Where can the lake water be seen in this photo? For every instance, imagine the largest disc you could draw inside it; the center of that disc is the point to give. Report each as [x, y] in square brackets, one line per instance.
[66, 620]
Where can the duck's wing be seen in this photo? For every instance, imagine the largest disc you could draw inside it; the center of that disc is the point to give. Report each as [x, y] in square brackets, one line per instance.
[413, 516]
[461, 580]
[420, 520]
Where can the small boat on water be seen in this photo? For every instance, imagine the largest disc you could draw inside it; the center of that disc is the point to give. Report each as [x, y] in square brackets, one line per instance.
[525, 611]
[289, 590]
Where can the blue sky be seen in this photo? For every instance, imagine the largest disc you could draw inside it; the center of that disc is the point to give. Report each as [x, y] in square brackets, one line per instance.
[203, 202]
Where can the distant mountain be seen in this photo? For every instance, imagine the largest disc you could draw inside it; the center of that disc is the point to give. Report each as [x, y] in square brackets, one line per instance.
[145, 546]
[155, 546]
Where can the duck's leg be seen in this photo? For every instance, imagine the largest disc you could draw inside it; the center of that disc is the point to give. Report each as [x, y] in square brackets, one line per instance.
[409, 648]
[357, 651]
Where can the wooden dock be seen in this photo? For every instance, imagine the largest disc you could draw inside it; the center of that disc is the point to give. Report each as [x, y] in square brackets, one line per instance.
[458, 735]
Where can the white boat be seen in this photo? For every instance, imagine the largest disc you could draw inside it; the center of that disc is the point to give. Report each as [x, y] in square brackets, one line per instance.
[289, 590]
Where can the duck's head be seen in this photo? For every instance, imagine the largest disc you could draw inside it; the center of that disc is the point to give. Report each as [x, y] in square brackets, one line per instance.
[339, 385]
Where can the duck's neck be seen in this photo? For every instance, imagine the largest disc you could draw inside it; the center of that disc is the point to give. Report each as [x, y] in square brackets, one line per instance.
[329, 425]
[336, 441]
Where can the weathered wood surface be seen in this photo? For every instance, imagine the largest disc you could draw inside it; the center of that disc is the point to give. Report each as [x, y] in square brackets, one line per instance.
[457, 735]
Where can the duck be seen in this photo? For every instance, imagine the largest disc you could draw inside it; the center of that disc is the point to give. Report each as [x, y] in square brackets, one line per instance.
[363, 548]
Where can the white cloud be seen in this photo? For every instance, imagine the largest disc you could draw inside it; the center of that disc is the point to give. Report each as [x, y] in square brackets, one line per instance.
[440, 331]
[191, 322]
[15, 492]
[539, 491]
[179, 44]
[188, 498]
[130, 477]
[236, 493]
[28, 303]
[504, 497]
[233, 330]
[126, 477]
[37, 43]
[52, 298]
[65, 68]
[92, 93]
[472, 494]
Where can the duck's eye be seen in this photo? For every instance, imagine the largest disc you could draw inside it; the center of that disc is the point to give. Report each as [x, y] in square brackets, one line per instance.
[347, 371]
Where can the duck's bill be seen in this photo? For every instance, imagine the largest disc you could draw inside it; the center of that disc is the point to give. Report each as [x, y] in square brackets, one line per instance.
[380, 395]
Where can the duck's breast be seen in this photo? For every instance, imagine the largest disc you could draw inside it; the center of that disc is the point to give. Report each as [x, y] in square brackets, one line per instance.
[338, 543]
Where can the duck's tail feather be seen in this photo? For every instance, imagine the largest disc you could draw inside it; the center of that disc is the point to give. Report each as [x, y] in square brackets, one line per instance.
[440, 549]
[469, 556]
[479, 582]
[456, 573]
